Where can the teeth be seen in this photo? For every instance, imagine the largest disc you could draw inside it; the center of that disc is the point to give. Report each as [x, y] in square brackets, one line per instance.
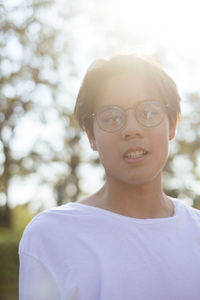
[135, 154]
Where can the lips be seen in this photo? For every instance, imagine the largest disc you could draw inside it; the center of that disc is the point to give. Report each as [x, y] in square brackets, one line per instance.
[135, 153]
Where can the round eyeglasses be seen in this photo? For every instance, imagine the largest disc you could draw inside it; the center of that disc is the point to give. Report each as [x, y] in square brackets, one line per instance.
[112, 118]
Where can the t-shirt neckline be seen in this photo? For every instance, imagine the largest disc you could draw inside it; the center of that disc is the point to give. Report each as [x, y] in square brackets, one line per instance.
[93, 209]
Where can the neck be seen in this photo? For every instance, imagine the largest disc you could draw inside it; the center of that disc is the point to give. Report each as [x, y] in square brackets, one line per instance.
[139, 201]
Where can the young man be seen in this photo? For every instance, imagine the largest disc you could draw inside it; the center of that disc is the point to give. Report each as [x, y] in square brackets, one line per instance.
[129, 240]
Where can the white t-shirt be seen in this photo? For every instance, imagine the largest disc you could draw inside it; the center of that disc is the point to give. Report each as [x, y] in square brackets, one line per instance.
[81, 252]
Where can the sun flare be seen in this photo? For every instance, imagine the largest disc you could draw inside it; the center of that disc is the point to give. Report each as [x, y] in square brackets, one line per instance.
[171, 23]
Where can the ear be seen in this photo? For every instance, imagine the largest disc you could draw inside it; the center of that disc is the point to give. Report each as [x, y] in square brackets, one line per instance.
[172, 129]
[91, 139]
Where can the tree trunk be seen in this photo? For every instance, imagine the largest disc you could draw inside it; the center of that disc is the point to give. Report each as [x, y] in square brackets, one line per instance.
[5, 216]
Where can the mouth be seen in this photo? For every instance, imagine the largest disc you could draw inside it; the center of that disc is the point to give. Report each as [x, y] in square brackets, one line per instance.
[134, 154]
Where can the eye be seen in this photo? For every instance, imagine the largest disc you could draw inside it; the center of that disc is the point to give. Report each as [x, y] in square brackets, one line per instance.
[149, 114]
[112, 119]
[149, 110]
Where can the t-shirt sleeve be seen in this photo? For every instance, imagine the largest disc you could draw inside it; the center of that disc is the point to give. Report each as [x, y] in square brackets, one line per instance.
[35, 280]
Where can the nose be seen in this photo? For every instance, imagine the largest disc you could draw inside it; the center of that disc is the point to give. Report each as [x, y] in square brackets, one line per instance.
[132, 128]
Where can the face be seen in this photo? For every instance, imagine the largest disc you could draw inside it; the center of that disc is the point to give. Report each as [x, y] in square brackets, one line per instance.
[135, 154]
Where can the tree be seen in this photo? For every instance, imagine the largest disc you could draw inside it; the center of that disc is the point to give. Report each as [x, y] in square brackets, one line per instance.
[31, 53]
[182, 172]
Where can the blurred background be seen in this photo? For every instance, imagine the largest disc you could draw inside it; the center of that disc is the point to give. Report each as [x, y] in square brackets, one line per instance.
[46, 47]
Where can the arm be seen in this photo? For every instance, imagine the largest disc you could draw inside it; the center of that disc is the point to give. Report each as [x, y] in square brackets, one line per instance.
[35, 280]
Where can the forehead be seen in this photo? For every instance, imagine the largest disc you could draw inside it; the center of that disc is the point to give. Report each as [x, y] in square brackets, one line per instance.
[126, 90]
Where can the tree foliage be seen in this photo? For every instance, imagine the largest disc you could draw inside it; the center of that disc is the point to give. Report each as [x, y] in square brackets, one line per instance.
[37, 68]
[31, 56]
[182, 172]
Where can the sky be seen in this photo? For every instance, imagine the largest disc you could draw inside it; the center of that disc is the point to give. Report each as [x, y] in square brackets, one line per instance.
[143, 26]
[172, 25]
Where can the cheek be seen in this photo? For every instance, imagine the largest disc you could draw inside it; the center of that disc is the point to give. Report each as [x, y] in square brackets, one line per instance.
[161, 142]
[107, 146]
[102, 139]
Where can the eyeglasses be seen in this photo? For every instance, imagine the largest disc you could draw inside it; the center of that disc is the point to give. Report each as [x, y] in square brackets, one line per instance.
[147, 113]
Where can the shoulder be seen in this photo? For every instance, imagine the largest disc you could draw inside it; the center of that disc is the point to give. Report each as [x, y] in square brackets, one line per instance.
[194, 212]
[50, 227]
[187, 211]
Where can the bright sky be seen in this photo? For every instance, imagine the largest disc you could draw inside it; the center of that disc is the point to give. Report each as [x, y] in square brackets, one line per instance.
[171, 25]
[174, 22]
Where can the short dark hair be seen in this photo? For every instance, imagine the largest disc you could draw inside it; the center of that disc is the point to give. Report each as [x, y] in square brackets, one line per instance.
[102, 70]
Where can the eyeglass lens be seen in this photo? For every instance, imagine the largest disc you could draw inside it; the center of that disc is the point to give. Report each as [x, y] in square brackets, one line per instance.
[113, 118]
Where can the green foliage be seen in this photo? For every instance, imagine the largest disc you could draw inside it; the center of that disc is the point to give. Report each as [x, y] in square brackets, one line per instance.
[33, 54]
[22, 73]
[182, 172]
[33, 76]
[20, 218]
[9, 262]
[9, 267]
